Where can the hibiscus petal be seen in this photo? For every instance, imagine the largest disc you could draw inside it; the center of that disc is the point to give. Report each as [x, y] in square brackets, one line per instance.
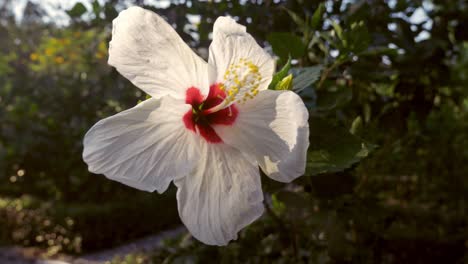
[239, 60]
[144, 147]
[222, 196]
[147, 51]
[272, 128]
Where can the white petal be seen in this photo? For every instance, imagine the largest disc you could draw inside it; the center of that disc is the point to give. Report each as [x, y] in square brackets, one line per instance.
[144, 147]
[221, 197]
[232, 47]
[273, 129]
[147, 51]
[227, 26]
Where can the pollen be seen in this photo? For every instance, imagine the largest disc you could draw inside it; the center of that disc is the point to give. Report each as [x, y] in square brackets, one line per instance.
[241, 81]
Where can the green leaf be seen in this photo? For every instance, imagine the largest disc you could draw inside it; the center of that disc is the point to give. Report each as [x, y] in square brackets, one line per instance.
[304, 77]
[286, 44]
[357, 39]
[96, 8]
[317, 16]
[78, 10]
[356, 126]
[280, 75]
[109, 11]
[295, 17]
[367, 112]
[309, 96]
[333, 148]
[278, 205]
[329, 100]
[338, 29]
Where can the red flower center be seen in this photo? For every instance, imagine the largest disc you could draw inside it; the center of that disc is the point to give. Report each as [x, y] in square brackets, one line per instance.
[197, 118]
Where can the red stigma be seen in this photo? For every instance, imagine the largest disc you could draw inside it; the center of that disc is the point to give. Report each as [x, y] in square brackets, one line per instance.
[196, 119]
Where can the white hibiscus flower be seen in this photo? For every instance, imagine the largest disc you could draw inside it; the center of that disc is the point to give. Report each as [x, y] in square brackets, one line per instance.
[208, 126]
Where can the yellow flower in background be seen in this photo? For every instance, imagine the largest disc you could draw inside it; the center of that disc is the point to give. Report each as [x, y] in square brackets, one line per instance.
[99, 55]
[49, 51]
[34, 56]
[59, 59]
[64, 41]
[69, 51]
[102, 46]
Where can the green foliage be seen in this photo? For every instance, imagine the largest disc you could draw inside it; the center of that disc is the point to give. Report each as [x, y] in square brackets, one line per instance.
[333, 148]
[317, 16]
[333, 98]
[55, 84]
[77, 10]
[277, 77]
[286, 45]
[305, 77]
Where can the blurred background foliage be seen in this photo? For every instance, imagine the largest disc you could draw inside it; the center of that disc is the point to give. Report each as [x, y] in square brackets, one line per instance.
[386, 86]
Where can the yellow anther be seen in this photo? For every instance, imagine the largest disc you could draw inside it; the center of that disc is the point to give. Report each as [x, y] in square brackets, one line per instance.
[241, 79]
